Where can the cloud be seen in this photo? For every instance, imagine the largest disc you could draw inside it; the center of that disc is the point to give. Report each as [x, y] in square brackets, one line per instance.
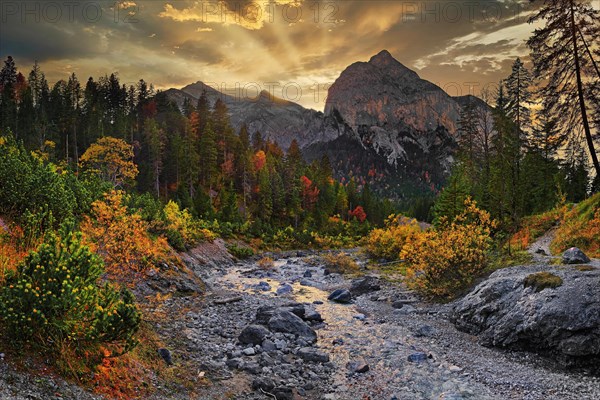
[309, 43]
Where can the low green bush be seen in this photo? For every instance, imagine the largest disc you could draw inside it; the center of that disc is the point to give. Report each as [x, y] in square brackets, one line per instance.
[240, 252]
[56, 302]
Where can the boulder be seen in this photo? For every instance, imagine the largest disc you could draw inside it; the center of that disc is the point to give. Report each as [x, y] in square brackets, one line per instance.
[340, 296]
[166, 355]
[364, 285]
[284, 289]
[253, 334]
[562, 322]
[574, 256]
[287, 322]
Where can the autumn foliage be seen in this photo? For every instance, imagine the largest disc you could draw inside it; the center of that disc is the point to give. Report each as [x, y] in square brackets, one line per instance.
[387, 242]
[358, 213]
[121, 238]
[444, 261]
[112, 160]
[580, 228]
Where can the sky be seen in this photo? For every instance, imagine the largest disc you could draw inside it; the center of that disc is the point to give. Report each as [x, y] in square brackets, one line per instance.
[293, 49]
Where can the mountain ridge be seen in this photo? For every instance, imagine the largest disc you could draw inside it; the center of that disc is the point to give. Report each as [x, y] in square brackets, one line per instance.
[406, 126]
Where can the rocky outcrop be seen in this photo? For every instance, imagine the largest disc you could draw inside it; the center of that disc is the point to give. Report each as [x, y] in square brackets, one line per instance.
[563, 321]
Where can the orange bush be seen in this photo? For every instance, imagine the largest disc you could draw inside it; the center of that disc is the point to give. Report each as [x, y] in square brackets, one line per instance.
[121, 238]
[13, 248]
[442, 262]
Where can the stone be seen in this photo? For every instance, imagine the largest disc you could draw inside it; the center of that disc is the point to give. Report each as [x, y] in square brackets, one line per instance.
[425, 331]
[269, 346]
[340, 296]
[364, 285]
[288, 322]
[234, 363]
[313, 316]
[284, 289]
[283, 393]
[264, 384]
[407, 309]
[313, 355]
[252, 367]
[417, 357]
[358, 366]
[574, 256]
[307, 274]
[249, 351]
[455, 368]
[253, 334]
[166, 355]
[360, 317]
[264, 286]
[561, 322]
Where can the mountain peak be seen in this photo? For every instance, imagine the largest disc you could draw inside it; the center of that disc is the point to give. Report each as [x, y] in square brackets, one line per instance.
[383, 55]
[385, 59]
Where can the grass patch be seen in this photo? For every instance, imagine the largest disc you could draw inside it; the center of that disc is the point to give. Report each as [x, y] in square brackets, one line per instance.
[542, 280]
[580, 228]
[501, 259]
[584, 268]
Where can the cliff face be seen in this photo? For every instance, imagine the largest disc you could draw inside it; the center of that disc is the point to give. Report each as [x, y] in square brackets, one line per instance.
[388, 106]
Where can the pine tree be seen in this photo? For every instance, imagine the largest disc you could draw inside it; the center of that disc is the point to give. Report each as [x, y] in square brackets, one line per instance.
[208, 157]
[518, 95]
[558, 56]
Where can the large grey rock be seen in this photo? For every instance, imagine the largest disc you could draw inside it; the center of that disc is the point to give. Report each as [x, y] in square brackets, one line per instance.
[287, 322]
[364, 285]
[340, 296]
[563, 322]
[574, 256]
[253, 334]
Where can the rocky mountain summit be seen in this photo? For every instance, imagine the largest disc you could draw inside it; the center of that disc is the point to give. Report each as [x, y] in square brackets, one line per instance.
[382, 124]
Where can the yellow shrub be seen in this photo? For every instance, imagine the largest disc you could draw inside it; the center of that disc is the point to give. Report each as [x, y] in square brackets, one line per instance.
[388, 242]
[183, 222]
[442, 262]
[265, 263]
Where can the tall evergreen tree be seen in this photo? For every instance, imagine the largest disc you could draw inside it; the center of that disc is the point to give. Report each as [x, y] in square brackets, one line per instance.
[556, 50]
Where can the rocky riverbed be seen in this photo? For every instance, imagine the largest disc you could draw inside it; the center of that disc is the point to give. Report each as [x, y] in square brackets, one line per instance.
[384, 344]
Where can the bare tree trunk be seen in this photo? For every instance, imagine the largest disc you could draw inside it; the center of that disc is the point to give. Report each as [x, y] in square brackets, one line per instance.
[586, 124]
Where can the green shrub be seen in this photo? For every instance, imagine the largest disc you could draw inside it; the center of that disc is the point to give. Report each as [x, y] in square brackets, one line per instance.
[55, 302]
[240, 252]
[542, 280]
